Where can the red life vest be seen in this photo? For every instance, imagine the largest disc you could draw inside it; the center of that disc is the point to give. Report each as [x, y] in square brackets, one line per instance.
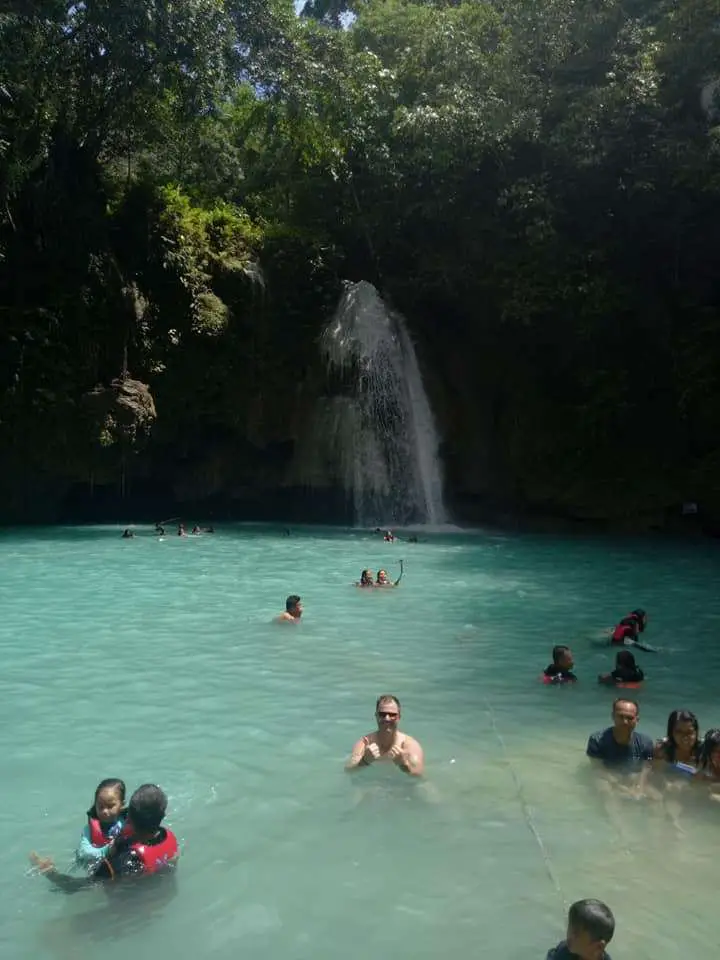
[622, 632]
[156, 856]
[98, 835]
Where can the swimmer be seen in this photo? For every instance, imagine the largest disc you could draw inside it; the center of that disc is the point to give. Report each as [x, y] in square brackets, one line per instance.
[366, 579]
[384, 581]
[626, 671]
[560, 670]
[682, 741]
[626, 632]
[159, 530]
[147, 848]
[389, 537]
[709, 761]
[293, 610]
[196, 531]
[127, 535]
[105, 821]
[181, 530]
[388, 744]
[590, 929]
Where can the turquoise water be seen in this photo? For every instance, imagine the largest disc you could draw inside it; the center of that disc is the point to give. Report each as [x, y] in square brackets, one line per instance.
[154, 660]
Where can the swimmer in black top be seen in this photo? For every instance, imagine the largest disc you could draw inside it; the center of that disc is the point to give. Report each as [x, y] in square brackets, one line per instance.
[560, 670]
[626, 670]
[591, 926]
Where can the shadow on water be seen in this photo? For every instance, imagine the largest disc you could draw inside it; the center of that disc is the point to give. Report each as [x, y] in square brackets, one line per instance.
[127, 908]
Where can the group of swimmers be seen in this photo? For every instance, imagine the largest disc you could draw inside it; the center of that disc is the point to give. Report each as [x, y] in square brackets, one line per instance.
[129, 533]
[626, 672]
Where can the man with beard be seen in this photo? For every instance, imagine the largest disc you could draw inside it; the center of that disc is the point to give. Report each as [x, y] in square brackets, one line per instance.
[387, 743]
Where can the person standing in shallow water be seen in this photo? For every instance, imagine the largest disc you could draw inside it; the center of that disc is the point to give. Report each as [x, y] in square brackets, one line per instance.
[293, 610]
[387, 743]
[619, 744]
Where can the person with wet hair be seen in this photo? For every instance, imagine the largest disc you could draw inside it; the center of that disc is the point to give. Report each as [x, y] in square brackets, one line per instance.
[591, 926]
[681, 744]
[293, 610]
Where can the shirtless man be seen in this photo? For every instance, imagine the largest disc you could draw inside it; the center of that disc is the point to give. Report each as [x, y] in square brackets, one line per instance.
[293, 610]
[387, 743]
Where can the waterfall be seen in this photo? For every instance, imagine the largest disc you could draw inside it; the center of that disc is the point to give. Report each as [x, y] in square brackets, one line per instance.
[376, 436]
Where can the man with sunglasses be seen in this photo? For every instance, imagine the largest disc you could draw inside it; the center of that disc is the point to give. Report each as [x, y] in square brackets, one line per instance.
[387, 743]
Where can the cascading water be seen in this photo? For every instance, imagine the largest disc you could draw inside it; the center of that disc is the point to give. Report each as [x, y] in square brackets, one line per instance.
[378, 436]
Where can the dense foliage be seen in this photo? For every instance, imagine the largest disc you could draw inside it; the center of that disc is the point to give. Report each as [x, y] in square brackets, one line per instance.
[184, 186]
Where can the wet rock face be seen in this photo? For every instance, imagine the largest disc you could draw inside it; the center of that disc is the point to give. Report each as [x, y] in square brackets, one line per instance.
[123, 412]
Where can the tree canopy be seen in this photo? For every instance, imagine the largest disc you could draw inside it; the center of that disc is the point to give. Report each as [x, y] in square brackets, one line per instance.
[183, 188]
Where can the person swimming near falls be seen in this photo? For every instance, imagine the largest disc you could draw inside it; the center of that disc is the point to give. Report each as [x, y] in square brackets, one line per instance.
[389, 537]
[627, 631]
[626, 672]
[127, 534]
[105, 822]
[561, 669]
[293, 610]
[147, 848]
[366, 580]
[383, 580]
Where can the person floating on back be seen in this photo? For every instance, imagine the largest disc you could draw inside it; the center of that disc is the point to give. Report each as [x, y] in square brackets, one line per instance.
[626, 671]
[293, 610]
[590, 929]
[145, 847]
[105, 822]
[560, 670]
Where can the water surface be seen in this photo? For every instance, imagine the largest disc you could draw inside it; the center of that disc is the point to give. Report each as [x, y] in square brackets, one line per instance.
[154, 660]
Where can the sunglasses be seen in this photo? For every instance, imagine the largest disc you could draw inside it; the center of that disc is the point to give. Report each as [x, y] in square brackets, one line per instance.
[387, 715]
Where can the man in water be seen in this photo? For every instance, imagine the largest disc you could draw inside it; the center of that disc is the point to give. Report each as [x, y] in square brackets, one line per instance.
[620, 745]
[387, 743]
[293, 610]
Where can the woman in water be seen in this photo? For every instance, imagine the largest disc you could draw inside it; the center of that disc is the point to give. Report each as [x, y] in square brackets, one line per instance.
[626, 671]
[709, 761]
[366, 579]
[681, 746]
[384, 581]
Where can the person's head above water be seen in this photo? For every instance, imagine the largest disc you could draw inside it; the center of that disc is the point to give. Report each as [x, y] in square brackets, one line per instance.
[562, 657]
[109, 801]
[382, 576]
[591, 926]
[642, 618]
[387, 712]
[626, 660]
[710, 751]
[293, 606]
[147, 808]
[683, 734]
[366, 578]
[625, 715]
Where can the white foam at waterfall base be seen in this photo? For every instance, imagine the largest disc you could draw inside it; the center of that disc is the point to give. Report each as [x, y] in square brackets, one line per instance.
[378, 437]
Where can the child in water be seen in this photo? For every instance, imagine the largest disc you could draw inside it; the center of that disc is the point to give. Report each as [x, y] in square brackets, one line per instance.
[560, 670]
[709, 766]
[106, 820]
[626, 671]
[590, 929]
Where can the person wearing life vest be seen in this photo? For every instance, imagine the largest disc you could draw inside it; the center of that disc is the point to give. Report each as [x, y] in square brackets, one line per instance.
[626, 633]
[105, 821]
[147, 848]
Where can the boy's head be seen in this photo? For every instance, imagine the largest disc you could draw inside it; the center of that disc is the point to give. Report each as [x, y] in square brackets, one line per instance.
[562, 657]
[147, 807]
[591, 926]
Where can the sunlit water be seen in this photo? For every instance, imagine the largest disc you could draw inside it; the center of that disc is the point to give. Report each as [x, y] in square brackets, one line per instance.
[154, 660]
